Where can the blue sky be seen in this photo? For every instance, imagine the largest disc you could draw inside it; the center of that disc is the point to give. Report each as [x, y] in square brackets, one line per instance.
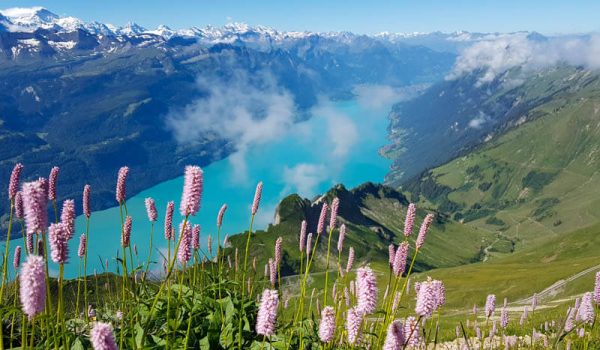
[367, 16]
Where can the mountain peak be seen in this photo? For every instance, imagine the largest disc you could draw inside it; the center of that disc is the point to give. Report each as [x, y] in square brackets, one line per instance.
[163, 31]
[29, 13]
[239, 27]
[28, 19]
[132, 28]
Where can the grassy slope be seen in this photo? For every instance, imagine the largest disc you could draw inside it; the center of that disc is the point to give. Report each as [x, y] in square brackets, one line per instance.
[516, 277]
[445, 114]
[538, 180]
[374, 216]
[537, 185]
[519, 275]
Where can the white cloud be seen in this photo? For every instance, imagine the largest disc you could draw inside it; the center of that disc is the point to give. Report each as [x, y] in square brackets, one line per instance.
[265, 214]
[376, 97]
[341, 130]
[304, 178]
[247, 110]
[477, 123]
[250, 111]
[343, 133]
[494, 55]
[331, 135]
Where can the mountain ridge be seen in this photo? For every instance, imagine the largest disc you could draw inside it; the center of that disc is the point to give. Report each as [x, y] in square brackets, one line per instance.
[374, 218]
[537, 177]
[27, 31]
[461, 115]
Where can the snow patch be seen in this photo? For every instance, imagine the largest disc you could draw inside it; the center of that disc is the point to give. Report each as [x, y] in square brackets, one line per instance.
[30, 90]
[29, 42]
[62, 45]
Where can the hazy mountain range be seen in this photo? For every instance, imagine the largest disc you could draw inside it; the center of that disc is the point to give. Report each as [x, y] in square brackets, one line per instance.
[32, 32]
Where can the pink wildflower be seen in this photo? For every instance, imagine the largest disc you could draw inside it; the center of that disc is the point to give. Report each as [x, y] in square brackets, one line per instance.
[327, 324]
[32, 286]
[86, 201]
[366, 290]
[13, 184]
[121, 183]
[151, 209]
[52, 183]
[192, 191]
[257, 195]
[423, 230]
[267, 313]
[410, 220]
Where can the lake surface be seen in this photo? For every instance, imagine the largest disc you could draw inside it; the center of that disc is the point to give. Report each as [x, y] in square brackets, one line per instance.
[339, 144]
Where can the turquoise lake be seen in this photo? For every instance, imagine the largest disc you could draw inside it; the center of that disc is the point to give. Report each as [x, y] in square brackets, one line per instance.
[304, 160]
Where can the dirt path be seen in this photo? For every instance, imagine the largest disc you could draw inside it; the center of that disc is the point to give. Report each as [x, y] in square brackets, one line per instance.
[486, 250]
[558, 284]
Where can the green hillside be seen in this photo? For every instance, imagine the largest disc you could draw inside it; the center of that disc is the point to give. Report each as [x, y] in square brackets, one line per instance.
[534, 181]
[374, 216]
[532, 270]
[453, 117]
[538, 179]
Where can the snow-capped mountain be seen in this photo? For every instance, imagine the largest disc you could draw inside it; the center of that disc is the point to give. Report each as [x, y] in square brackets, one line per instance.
[32, 19]
[36, 31]
[439, 41]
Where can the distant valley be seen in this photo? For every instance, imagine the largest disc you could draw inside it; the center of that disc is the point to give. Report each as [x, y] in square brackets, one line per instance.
[90, 97]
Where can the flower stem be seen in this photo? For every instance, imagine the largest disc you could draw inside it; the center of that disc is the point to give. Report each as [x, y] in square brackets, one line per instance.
[85, 292]
[5, 263]
[149, 252]
[61, 305]
[243, 281]
[219, 269]
[162, 287]
[5, 258]
[78, 287]
[327, 267]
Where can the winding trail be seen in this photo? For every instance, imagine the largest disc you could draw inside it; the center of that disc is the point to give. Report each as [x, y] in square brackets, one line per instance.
[558, 284]
[544, 293]
[486, 250]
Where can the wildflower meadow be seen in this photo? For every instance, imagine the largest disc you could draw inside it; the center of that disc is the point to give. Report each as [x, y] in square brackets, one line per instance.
[213, 296]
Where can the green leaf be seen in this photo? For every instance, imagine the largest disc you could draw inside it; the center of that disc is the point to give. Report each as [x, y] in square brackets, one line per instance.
[226, 338]
[205, 343]
[230, 310]
[139, 333]
[246, 323]
[179, 287]
[158, 340]
[77, 345]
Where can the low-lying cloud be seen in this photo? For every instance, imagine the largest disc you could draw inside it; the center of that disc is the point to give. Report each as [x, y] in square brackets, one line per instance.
[304, 178]
[332, 135]
[374, 96]
[493, 55]
[248, 110]
[259, 117]
[342, 133]
[477, 122]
